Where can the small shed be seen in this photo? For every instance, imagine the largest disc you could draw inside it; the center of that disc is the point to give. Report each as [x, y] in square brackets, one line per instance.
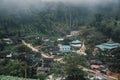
[42, 70]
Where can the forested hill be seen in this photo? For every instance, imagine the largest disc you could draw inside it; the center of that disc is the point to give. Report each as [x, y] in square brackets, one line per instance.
[60, 18]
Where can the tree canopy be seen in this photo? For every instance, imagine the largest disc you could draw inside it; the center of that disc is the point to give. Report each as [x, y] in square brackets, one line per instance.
[69, 67]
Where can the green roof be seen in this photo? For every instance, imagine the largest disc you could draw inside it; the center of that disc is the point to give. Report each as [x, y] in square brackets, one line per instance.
[108, 46]
[76, 42]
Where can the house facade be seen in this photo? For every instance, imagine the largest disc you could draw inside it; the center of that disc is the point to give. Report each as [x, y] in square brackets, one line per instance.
[65, 48]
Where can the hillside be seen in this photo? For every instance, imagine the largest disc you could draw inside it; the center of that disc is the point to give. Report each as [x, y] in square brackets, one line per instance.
[57, 19]
[41, 38]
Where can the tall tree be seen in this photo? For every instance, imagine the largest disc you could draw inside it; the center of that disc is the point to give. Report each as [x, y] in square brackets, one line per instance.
[22, 55]
[69, 67]
[116, 59]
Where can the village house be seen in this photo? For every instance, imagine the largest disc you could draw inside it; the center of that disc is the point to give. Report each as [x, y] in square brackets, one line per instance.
[45, 67]
[7, 40]
[76, 43]
[68, 36]
[46, 39]
[5, 55]
[65, 48]
[97, 78]
[60, 39]
[74, 33]
[42, 70]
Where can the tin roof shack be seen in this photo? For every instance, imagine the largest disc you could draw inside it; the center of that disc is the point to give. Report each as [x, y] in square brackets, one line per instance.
[46, 39]
[97, 78]
[5, 55]
[42, 70]
[7, 41]
[60, 39]
[68, 36]
[95, 62]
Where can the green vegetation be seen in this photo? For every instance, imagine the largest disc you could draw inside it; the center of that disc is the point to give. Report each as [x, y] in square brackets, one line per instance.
[11, 67]
[27, 57]
[111, 58]
[60, 19]
[2, 77]
[56, 20]
[21, 64]
[69, 67]
[109, 27]
[42, 76]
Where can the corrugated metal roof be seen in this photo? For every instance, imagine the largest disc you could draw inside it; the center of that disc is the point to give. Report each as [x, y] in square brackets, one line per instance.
[107, 46]
[65, 46]
[76, 41]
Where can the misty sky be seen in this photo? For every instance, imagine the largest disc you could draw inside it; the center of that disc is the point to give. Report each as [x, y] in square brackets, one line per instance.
[89, 1]
[84, 1]
[25, 4]
[73, 1]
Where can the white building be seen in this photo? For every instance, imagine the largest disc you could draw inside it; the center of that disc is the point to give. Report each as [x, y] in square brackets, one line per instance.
[82, 50]
[60, 39]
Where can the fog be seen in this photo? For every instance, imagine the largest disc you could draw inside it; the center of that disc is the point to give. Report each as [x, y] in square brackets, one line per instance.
[27, 3]
[93, 2]
[17, 5]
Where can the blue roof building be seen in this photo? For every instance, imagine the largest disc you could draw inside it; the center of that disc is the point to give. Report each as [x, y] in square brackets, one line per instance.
[108, 46]
[65, 48]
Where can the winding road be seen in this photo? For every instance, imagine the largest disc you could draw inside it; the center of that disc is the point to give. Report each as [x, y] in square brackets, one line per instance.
[92, 72]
